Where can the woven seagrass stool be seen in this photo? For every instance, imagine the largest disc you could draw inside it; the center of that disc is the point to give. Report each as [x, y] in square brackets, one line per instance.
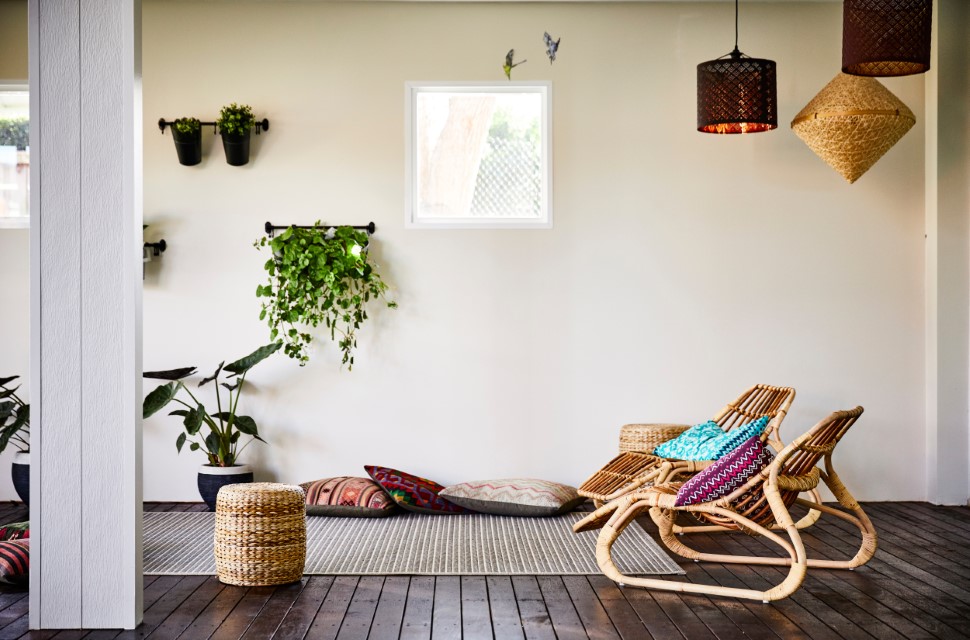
[642, 438]
[260, 537]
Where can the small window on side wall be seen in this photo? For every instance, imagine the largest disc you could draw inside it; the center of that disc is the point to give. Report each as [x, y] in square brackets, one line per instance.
[479, 155]
[14, 157]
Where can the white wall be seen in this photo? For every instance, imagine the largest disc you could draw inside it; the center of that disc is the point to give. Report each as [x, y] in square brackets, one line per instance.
[682, 267]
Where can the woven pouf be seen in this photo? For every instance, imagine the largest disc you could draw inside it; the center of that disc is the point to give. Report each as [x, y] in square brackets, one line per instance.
[260, 536]
[642, 438]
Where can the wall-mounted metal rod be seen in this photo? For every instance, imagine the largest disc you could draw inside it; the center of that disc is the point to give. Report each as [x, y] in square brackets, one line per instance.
[261, 125]
[271, 228]
[156, 247]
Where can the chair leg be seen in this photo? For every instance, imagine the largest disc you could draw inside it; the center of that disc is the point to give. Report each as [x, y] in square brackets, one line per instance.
[622, 518]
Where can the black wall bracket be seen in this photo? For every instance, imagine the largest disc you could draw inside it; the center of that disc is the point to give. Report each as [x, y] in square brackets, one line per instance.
[271, 228]
[261, 125]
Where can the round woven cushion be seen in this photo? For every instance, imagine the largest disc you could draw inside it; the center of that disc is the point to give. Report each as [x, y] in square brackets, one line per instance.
[642, 438]
[260, 535]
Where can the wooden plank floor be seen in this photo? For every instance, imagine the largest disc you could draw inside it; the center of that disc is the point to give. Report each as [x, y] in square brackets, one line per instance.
[918, 586]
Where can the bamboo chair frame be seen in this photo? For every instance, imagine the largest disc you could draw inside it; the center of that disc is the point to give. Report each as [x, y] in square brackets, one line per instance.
[631, 470]
[756, 508]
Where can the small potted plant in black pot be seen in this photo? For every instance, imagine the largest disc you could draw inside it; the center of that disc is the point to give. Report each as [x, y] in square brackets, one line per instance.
[215, 434]
[187, 134]
[236, 124]
[15, 430]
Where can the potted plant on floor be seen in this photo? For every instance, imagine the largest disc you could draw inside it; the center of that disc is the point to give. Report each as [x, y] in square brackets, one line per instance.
[15, 430]
[319, 276]
[217, 434]
[187, 134]
[236, 124]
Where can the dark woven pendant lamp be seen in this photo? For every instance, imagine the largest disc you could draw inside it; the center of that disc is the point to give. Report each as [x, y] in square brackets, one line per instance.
[736, 93]
[886, 37]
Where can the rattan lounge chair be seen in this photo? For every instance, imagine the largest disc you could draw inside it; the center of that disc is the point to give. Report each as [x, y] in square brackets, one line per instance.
[632, 470]
[759, 507]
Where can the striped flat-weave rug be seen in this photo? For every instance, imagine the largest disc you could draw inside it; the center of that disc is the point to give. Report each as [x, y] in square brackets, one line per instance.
[416, 544]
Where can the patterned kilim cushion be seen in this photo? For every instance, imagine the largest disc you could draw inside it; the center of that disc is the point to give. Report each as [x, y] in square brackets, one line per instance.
[727, 474]
[728, 442]
[515, 497]
[411, 492]
[347, 496]
[687, 446]
[15, 531]
[15, 561]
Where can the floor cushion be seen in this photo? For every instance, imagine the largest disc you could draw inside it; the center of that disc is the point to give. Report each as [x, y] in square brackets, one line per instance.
[726, 474]
[15, 531]
[412, 492]
[514, 497]
[345, 496]
[15, 561]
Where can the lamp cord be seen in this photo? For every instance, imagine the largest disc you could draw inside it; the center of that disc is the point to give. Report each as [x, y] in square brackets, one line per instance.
[735, 24]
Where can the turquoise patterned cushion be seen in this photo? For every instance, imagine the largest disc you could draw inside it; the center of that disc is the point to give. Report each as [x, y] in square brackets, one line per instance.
[735, 437]
[687, 446]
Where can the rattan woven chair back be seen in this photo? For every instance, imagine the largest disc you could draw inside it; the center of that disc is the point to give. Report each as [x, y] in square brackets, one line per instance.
[630, 470]
[798, 473]
[758, 507]
[760, 400]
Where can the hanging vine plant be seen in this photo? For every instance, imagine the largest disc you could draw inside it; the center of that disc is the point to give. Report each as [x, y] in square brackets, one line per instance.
[318, 276]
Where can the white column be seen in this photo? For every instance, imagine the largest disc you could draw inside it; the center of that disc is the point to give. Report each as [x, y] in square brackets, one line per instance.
[948, 257]
[86, 212]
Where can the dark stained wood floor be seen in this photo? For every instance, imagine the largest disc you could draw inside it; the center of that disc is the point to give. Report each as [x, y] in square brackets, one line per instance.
[918, 586]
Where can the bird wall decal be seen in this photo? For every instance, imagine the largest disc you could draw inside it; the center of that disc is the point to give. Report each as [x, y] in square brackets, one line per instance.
[552, 46]
[509, 64]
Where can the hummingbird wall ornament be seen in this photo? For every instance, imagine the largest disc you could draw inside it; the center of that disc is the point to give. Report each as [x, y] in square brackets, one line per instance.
[509, 64]
[552, 46]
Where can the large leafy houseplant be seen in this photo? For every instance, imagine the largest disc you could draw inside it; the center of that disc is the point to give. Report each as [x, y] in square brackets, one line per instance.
[14, 417]
[319, 276]
[216, 434]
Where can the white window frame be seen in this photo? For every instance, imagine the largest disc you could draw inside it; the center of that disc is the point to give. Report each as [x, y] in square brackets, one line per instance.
[412, 89]
[14, 222]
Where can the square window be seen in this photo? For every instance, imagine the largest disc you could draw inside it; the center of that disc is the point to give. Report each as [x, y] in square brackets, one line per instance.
[479, 155]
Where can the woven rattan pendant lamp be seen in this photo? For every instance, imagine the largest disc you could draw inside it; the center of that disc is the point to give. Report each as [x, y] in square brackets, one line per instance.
[852, 122]
[886, 37]
[736, 93]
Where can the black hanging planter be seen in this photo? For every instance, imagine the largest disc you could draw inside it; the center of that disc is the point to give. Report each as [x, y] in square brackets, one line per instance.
[20, 473]
[211, 479]
[237, 148]
[188, 146]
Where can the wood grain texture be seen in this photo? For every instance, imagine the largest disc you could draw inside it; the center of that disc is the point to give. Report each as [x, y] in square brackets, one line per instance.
[914, 588]
[56, 549]
[87, 550]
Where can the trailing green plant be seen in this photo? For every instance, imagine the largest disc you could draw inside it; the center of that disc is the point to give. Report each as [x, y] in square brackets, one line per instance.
[226, 426]
[14, 417]
[319, 276]
[14, 132]
[187, 126]
[235, 119]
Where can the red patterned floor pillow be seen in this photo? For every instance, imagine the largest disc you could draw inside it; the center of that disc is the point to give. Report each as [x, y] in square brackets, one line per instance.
[15, 531]
[411, 492]
[726, 474]
[15, 561]
[345, 496]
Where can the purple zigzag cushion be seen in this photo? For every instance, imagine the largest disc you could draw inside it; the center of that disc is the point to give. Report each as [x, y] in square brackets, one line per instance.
[727, 474]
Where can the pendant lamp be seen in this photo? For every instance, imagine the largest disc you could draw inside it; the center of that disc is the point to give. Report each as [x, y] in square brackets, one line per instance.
[736, 93]
[886, 37]
[852, 122]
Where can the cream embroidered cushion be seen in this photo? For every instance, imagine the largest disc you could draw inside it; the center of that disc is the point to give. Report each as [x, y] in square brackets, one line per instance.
[514, 497]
